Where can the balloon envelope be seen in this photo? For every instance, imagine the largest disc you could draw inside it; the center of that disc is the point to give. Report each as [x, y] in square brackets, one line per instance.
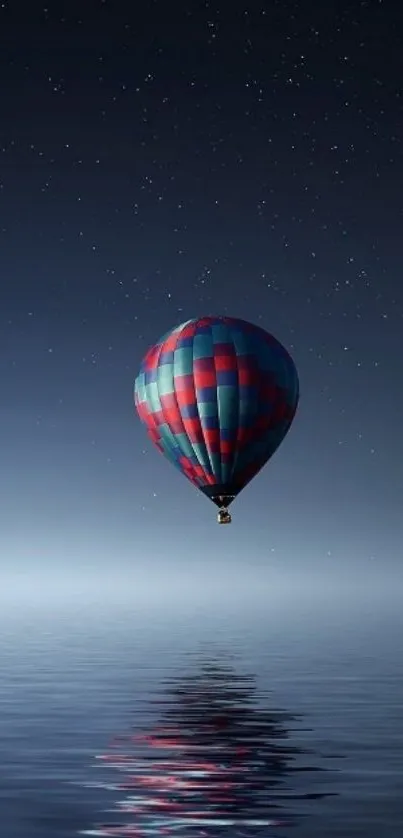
[217, 395]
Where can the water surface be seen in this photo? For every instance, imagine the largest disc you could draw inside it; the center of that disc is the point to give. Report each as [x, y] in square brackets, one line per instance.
[73, 676]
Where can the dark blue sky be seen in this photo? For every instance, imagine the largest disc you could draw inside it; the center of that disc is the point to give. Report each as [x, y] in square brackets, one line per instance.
[164, 161]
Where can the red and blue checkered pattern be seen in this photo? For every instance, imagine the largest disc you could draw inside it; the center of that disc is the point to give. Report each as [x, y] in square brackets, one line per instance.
[217, 396]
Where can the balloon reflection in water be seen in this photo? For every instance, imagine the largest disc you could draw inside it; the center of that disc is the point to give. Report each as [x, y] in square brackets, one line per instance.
[217, 763]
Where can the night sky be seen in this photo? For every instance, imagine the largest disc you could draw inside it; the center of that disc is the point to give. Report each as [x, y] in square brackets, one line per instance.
[161, 161]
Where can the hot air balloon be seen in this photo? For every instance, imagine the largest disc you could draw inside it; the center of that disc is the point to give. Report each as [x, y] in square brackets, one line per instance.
[217, 396]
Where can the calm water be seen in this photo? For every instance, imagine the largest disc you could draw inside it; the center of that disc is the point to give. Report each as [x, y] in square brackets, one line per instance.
[73, 677]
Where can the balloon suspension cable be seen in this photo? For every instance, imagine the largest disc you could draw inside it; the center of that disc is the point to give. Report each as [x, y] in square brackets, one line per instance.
[224, 517]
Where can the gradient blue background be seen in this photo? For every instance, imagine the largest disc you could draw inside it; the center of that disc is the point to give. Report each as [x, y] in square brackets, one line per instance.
[159, 164]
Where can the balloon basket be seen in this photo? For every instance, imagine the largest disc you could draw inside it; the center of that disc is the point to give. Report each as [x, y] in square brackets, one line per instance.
[224, 517]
